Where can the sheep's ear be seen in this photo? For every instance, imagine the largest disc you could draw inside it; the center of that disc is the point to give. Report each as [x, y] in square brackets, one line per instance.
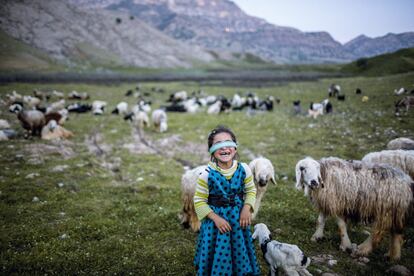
[299, 178]
[272, 179]
[254, 236]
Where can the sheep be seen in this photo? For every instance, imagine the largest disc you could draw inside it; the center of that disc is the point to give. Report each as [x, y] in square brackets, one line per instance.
[74, 95]
[159, 120]
[315, 110]
[404, 104]
[121, 108]
[79, 108]
[31, 120]
[398, 92]
[57, 94]
[139, 119]
[401, 159]
[98, 107]
[281, 255]
[56, 106]
[214, 108]
[188, 186]
[352, 189]
[334, 90]
[401, 143]
[263, 173]
[54, 131]
[32, 102]
[297, 109]
[178, 96]
[358, 91]
[6, 134]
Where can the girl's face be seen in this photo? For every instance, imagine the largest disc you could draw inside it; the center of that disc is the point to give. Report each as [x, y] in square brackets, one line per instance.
[224, 156]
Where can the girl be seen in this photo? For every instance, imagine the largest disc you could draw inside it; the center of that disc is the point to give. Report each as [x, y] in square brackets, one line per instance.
[224, 200]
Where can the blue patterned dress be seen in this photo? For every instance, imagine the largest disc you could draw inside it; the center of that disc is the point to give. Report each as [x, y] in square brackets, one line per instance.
[231, 253]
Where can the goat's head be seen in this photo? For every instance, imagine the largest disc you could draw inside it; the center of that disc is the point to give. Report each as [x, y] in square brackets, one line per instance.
[308, 174]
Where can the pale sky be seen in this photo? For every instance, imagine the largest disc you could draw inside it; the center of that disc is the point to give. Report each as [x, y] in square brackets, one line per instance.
[343, 19]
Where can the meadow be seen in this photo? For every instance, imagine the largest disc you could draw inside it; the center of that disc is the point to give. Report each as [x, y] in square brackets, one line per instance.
[104, 203]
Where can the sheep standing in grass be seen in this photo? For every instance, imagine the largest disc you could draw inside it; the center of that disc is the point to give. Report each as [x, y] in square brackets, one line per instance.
[138, 119]
[401, 159]
[31, 120]
[121, 108]
[263, 173]
[159, 119]
[188, 186]
[401, 143]
[370, 193]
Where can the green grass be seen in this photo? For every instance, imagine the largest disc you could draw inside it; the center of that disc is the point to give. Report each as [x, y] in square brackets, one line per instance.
[125, 222]
[401, 61]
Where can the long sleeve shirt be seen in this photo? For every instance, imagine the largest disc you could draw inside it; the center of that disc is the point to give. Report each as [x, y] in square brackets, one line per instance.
[201, 194]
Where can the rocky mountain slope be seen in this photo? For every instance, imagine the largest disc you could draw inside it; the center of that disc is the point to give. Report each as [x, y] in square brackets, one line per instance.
[220, 25]
[94, 36]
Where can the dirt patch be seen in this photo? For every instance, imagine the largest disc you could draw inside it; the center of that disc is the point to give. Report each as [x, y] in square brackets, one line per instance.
[187, 153]
[38, 152]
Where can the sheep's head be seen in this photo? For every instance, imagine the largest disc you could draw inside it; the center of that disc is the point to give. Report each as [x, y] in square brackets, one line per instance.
[262, 178]
[263, 171]
[261, 232]
[308, 175]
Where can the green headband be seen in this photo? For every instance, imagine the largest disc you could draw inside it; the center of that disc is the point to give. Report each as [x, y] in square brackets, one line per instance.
[222, 145]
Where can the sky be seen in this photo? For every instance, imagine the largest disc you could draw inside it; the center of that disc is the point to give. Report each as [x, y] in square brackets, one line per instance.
[343, 19]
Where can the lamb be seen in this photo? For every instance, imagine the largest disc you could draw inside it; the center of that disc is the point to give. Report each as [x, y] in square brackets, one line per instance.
[401, 143]
[159, 119]
[351, 189]
[263, 173]
[401, 159]
[54, 131]
[188, 186]
[281, 255]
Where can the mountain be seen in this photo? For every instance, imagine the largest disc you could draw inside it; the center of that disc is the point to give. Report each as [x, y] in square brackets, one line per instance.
[363, 46]
[221, 26]
[94, 37]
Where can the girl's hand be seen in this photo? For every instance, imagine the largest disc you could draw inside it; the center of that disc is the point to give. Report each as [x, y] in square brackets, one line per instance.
[245, 216]
[222, 225]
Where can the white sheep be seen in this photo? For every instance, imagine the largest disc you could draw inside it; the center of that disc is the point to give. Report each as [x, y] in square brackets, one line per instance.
[56, 106]
[98, 107]
[402, 159]
[263, 173]
[31, 102]
[159, 120]
[188, 186]
[215, 108]
[351, 189]
[401, 143]
[139, 119]
[121, 108]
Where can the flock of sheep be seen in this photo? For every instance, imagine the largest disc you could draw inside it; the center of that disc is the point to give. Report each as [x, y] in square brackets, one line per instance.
[378, 190]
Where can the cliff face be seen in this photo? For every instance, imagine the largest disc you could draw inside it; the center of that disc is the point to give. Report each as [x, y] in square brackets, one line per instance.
[74, 35]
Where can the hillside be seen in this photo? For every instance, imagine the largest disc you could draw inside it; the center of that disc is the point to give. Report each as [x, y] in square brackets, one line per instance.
[94, 37]
[401, 61]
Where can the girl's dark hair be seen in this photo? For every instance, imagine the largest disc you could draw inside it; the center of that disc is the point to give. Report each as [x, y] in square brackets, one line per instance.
[220, 129]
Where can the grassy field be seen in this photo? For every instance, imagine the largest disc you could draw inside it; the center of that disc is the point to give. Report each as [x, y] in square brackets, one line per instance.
[65, 209]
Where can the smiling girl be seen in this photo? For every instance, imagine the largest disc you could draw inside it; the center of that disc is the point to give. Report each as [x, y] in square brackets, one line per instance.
[224, 200]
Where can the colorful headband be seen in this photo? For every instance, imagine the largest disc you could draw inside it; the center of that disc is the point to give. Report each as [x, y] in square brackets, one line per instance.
[222, 145]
